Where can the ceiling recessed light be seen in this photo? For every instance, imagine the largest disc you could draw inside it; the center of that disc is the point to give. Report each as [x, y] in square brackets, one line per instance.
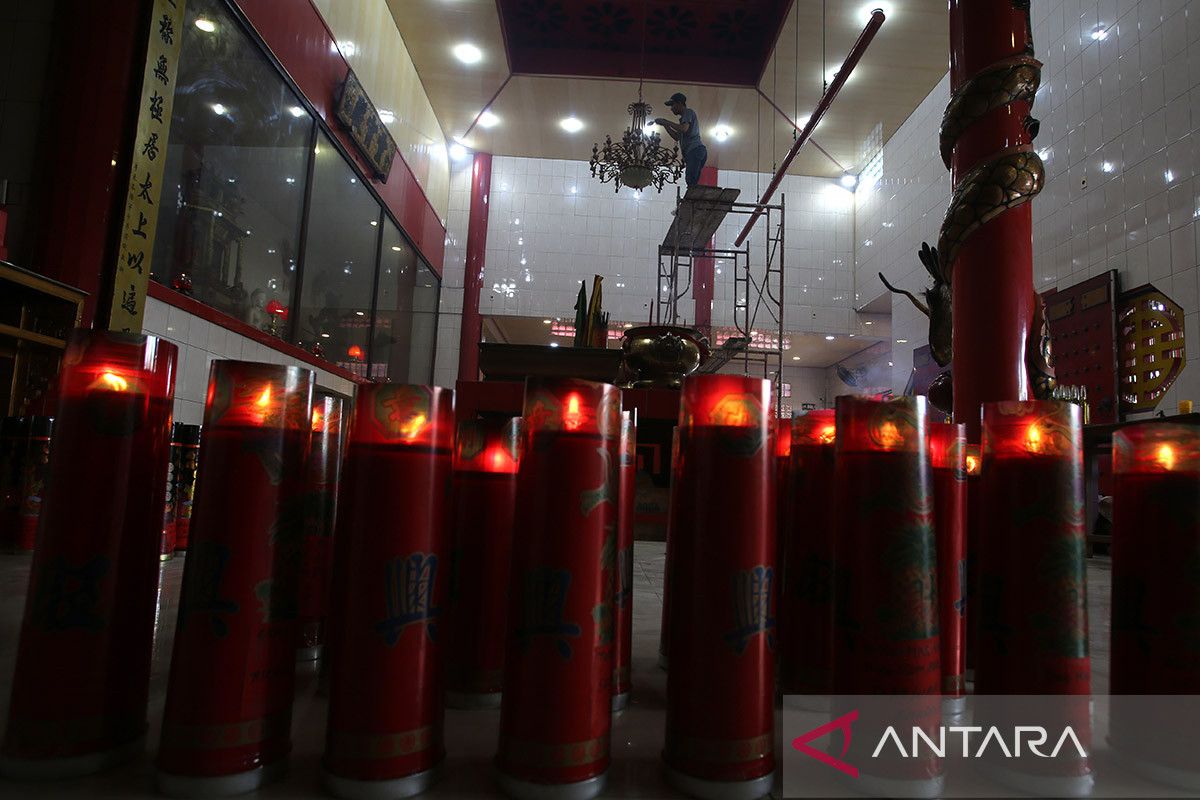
[802, 121]
[386, 117]
[290, 180]
[1107, 166]
[829, 338]
[457, 152]
[868, 322]
[889, 363]
[218, 108]
[488, 120]
[795, 358]
[468, 53]
[554, 344]
[360, 313]
[324, 335]
[296, 111]
[1099, 33]
[902, 341]
[397, 248]
[374, 222]
[545, 322]
[571, 124]
[722, 132]
[205, 24]
[849, 181]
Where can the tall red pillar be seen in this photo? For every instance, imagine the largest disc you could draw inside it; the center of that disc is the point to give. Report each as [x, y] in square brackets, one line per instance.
[702, 270]
[477, 225]
[992, 273]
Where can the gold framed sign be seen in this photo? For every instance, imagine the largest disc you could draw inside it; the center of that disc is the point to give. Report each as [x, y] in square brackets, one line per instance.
[149, 155]
[360, 117]
[1151, 340]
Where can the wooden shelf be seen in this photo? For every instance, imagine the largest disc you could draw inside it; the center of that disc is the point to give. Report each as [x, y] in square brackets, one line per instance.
[36, 316]
[32, 336]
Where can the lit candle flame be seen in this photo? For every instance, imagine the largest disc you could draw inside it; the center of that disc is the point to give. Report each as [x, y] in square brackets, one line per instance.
[1033, 439]
[972, 465]
[889, 435]
[573, 418]
[113, 381]
[413, 427]
[497, 459]
[1165, 457]
[317, 419]
[827, 434]
[264, 399]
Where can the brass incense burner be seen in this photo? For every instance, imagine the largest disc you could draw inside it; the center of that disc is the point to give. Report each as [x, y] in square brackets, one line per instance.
[662, 355]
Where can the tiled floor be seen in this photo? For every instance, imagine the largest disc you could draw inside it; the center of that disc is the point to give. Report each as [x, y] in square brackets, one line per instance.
[470, 736]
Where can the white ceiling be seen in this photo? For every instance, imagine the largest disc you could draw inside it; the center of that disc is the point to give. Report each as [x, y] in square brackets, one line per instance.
[906, 60]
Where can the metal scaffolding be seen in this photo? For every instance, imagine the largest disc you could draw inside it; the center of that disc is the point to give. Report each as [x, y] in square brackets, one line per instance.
[758, 282]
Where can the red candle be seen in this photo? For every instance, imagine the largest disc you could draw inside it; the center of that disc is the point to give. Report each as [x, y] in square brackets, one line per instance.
[1156, 598]
[623, 592]
[1033, 632]
[885, 615]
[185, 456]
[14, 435]
[82, 677]
[227, 722]
[486, 456]
[391, 566]
[783, 497]
[556, 712]
[720, 704]
[948, 455]
[166, 549]
[35, 469]
[320, 512]
[806, 602]
[679, 522]
[974, 465]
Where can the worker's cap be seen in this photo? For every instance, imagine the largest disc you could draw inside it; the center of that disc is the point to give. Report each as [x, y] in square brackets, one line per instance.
[678, 97]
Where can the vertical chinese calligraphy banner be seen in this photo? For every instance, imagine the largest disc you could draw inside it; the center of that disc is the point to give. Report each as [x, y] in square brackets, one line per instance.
[146, 166]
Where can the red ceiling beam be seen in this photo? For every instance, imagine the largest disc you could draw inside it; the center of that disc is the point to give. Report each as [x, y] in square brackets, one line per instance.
[839, 80]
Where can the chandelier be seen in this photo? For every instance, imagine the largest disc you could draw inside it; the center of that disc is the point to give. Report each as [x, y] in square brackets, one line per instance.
[639, 159]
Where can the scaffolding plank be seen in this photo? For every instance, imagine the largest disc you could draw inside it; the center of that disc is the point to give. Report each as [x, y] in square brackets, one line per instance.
[699, 213]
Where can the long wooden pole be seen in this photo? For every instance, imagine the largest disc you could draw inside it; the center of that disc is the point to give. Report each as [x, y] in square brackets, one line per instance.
[835, 86]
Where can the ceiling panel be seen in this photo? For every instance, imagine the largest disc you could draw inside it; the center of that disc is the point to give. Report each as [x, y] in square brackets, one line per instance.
[906, 60]
[706, 41]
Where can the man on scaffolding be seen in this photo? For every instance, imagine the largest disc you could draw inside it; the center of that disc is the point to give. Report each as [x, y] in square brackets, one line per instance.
[687, 133]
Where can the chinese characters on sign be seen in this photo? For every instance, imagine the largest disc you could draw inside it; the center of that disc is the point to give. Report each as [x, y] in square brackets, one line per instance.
[356, 111]
[146, 168]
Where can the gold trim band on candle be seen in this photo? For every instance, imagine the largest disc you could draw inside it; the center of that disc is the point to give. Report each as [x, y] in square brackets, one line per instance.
[540, 755]
[380, 746]
[226, 735]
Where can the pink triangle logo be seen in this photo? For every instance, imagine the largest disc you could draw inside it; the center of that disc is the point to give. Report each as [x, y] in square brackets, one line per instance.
[842, 724]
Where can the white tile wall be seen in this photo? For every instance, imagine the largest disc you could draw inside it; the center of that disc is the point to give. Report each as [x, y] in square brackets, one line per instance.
[199, 342]
[552, 225]
[1120, 135]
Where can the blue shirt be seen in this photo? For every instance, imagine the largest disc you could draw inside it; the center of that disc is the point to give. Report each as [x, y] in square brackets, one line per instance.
[692, 138]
